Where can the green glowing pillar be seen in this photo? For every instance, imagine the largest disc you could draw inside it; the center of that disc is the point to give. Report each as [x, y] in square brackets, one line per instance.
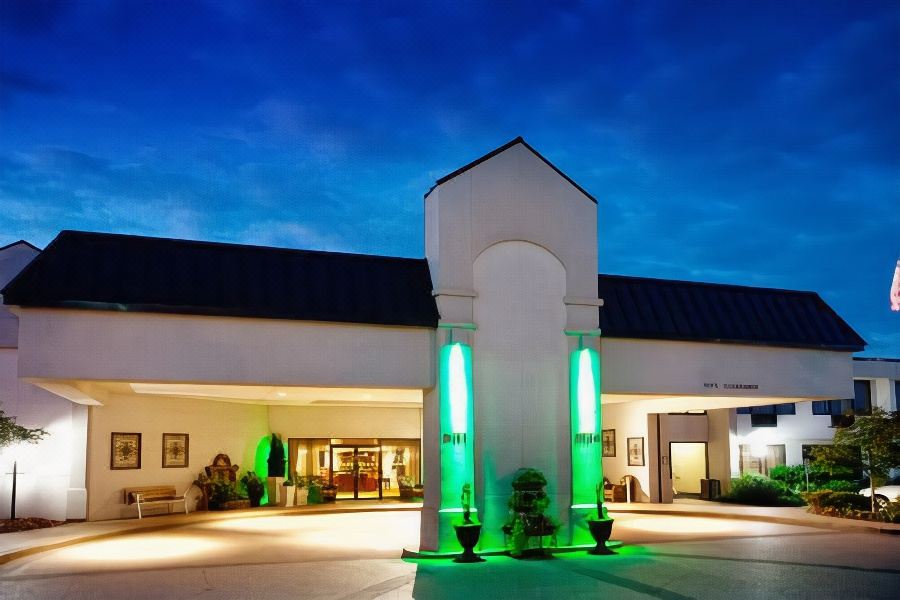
[457, 437]
[587, 468]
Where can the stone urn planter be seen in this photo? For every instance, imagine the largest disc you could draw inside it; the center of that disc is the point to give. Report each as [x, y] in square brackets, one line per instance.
[467, 534]
[287, 495]
[600, 529]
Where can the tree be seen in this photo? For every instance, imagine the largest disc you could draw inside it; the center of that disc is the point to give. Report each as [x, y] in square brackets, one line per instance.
[874, 439]
[11, 432]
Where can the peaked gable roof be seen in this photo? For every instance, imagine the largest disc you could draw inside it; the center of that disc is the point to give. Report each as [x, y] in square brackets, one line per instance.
[504, 148]
[25, 243]
[640, 307]
[144, 274]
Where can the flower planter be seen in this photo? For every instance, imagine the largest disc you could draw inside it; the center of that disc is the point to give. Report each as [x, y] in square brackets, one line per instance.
[467, 534]
[601, 529]
[287, 496]
[329, 493]
[301, 497]
[235, 505]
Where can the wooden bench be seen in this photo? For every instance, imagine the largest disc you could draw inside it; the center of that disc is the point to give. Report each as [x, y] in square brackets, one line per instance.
[155, 494]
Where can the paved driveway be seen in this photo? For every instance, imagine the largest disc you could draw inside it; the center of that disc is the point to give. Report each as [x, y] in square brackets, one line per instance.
[357, 556]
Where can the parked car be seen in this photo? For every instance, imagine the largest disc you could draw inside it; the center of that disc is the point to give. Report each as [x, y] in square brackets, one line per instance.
[883, 495]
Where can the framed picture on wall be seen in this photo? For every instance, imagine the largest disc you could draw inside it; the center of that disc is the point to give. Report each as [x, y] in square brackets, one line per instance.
[636, 452]
[609, 442]
[125, 450]
[175, 450]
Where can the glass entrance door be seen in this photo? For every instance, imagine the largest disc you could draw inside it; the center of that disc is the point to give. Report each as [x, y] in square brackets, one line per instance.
[356, 471]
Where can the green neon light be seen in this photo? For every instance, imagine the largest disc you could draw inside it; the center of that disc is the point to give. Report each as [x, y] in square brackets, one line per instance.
[459, 390]
[457, 509]
[457, 439]
[588, 395]
[261, 464]
[584, 404]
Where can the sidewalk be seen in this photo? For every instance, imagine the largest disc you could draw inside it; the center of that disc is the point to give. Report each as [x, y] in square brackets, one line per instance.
[23, 543]
[784, 515]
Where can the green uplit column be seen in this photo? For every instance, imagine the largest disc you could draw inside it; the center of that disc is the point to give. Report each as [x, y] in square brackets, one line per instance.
[587, 468]
[457, 437]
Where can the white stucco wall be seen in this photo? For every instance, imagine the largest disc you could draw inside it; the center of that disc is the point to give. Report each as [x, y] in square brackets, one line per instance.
[512, 248]
[214, 427]
[512, 196]
[99, 345]
[793, 431]
[664, 368]
[627, 422]
[345, 422]
[52, 485]
[520, 376]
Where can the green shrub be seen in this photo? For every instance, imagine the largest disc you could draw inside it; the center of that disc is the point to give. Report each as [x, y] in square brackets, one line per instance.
[845, 501]
[890, 513]
[761, 491]
[836, 478]
[793, 476]
[840, 485]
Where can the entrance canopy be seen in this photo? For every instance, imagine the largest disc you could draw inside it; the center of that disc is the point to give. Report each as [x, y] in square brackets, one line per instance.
[676, 345]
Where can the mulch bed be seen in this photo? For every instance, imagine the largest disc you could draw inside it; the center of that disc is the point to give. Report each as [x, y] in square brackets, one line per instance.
[11, 525]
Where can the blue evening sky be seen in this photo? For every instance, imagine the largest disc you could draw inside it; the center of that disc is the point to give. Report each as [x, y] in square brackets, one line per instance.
[740, 142]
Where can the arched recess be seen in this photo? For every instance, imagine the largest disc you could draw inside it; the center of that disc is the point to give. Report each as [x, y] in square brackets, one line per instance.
[520, 376]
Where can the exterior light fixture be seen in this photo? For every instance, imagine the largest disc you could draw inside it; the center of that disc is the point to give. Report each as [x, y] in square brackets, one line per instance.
[584, 387]
[458, 387]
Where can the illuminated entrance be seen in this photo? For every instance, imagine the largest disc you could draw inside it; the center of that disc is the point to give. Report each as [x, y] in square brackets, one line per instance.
[361, 469]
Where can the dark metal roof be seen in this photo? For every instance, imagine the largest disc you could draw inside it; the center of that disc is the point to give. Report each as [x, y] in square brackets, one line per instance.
[142, 274]
[638, 307]
[503, 148]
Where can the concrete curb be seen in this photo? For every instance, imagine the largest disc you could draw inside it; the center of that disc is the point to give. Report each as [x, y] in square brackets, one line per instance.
[813, 521]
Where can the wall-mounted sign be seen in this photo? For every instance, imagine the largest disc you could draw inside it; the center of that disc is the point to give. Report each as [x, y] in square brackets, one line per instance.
[730, 386]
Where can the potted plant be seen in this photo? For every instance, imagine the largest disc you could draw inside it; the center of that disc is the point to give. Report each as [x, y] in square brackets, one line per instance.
[405, 484]
[301, 496]
[287, 493]
[275, 464]
[601, 527]
[467, 532]
[526, 514]
[221, 492]
[418, 492]
[528, 479]
[314, 490]
[254, 486]
[329, 492]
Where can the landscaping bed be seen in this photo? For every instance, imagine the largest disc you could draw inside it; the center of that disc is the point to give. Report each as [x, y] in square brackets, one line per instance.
[26, 524]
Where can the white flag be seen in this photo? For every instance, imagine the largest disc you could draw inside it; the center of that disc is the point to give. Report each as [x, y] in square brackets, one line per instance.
[895, 289]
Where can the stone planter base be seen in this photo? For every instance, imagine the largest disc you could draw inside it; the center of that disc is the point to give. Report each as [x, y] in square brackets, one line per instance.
[600, 531]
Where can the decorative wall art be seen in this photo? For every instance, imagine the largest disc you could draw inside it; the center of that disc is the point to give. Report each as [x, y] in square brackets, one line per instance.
[125, 450]
[609, 442]
[636, 452]
[175, 450]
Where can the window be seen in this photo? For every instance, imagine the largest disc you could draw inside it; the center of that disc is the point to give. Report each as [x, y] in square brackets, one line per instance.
[897, 395]
[761, 464]
[862, 397]
[763, 420]
[769, 409]
[860, 404]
